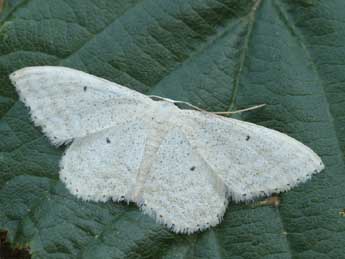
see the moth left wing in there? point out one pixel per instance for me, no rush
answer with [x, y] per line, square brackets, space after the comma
[104, 166]
[69, 103]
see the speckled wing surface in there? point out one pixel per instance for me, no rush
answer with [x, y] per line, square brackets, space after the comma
[67, 103]
[180, 166]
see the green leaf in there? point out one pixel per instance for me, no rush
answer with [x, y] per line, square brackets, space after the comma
[216, 54]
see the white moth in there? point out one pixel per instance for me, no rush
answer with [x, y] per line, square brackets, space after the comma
[179, 166]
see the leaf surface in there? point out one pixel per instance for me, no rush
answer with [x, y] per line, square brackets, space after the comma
[218, 55]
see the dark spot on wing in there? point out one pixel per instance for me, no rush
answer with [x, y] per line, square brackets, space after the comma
[248, 137]
[192, 168]
[85, 88]
[108, 140]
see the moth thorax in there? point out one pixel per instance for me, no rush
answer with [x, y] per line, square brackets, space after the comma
[164, 112]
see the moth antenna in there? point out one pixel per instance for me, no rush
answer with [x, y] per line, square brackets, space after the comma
[162, 98]
[174, 101]
[202, 110]
[242, 110]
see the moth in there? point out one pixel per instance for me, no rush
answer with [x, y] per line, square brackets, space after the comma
[181, 167]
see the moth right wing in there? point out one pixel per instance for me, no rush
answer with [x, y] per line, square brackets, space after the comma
[203, 159]
[68, 103]
[251, 160]
[180, 189]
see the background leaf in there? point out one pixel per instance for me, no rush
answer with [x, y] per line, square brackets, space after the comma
[217, 54]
